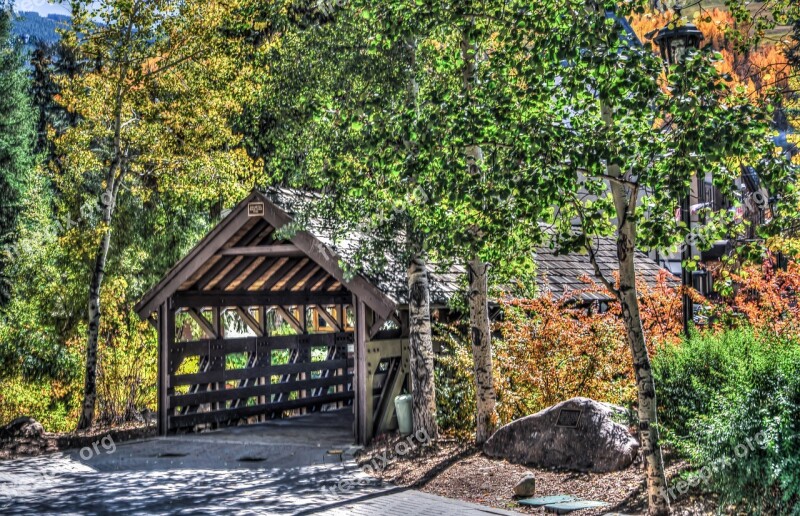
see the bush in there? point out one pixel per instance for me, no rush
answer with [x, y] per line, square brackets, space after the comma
[689, 377]
[731, 402]
[48, 401]
[550, 352]
[455, 384]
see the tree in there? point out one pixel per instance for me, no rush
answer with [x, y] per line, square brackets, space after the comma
[321, 75]
[49, 61]
[629, 140]
[16, 142]
[151, 116]
[407, 150]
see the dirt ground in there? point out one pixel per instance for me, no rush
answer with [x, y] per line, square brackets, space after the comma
[458, 470]
[50, 443]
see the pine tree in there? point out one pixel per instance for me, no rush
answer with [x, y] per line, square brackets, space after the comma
[16, 141]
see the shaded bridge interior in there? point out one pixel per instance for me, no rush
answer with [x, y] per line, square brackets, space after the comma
[259, 331]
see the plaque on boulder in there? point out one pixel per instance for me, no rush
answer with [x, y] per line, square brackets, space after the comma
[575, 435]
[569, 418]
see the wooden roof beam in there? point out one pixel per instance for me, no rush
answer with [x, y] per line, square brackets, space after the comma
[286, 250]
[201, 321]
[208, 298]
[257, 327]
[258, 273]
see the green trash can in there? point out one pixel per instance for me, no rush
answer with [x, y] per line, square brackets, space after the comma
[402, 407]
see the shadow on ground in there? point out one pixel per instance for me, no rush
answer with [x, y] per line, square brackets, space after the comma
[278, 468]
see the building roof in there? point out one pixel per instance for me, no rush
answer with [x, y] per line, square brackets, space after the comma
[245, 256]
[564, 274]
[444, 281]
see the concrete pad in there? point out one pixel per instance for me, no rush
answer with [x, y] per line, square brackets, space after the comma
[410, 503]
[280, 467]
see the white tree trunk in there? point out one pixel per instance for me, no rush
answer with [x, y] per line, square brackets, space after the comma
[481, 336]
[423, 389]
[646, 388]
[625, 199]
[480, 330]
[93, 333]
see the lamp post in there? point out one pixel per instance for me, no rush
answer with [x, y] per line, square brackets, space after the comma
[674, 41]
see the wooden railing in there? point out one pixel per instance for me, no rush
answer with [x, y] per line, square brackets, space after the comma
[265, 386]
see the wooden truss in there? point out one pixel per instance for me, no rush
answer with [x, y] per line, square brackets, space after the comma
[254, 326]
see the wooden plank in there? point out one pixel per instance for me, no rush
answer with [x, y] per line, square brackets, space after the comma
[258, 272]
[220, 237]
[328, 260]
[287, 250]
[404, 323]
[241, 374]
[233, 274]
[277, 283]
[207, 328]
[317, 278]
[222, 416]
[224, 262]
[250, 321]
[211, 274]
[362, 399]
[257, 390]
[286, 271]
[391, 389]
[328, 284]
[211, 298]
[323, 312]
[290, 318]
[163, 368]
[253, 344]
[254, 236]
[299, 279]
[258, 359]
[379, 350]
[312, 384]
[376, 326]
[202, 367]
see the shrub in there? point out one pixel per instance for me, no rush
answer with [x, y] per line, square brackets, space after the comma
[127, 366]
[690, 376]
[548, 350]
[48, 401]
[731, 402]
[761, 296]
[455, 384]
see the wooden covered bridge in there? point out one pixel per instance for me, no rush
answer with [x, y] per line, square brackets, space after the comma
[252, 325]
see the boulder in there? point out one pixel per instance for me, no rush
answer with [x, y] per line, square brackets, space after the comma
[526, 487]
[24, 427]
[575, 435]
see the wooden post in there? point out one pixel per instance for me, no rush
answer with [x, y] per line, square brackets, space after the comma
[362, 389]
[163, 366]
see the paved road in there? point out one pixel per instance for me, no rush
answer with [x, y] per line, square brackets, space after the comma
[273, 468]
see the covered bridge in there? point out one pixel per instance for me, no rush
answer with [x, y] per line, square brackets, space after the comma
[254, 326]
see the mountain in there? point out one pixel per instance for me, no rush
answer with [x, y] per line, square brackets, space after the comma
[31, 27]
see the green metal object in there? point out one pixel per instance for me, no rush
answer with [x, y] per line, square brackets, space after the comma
[402, 406]
[576, 505]
[547, 500]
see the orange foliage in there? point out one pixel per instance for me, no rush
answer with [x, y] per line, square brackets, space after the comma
[757, 71]
[553, 350]
[764, 297]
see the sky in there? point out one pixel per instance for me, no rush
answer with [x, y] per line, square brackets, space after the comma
[42, 7]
